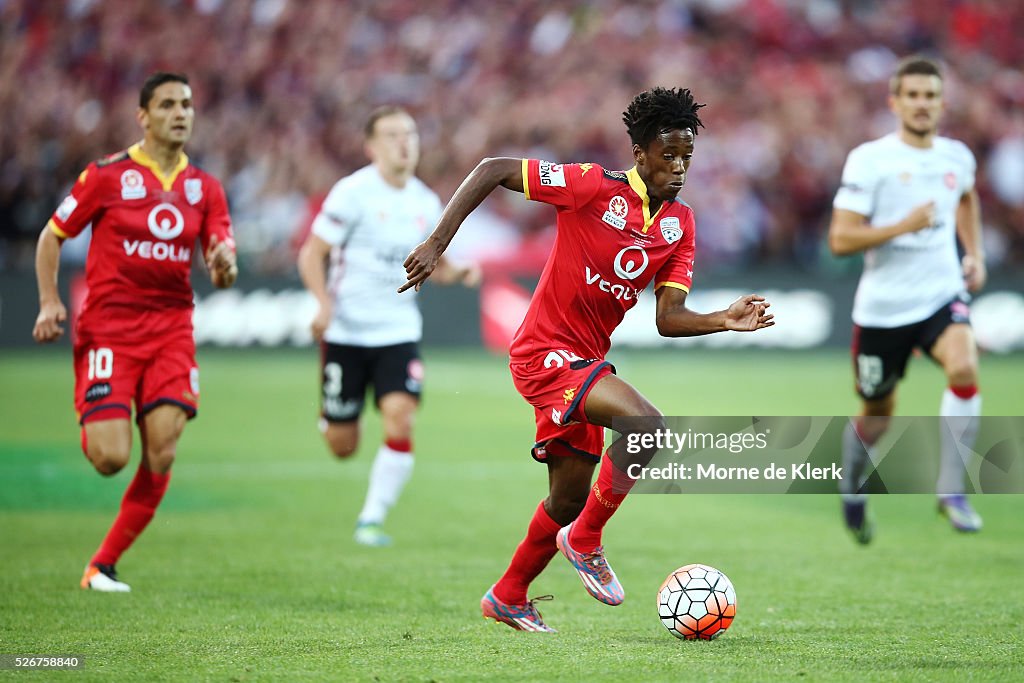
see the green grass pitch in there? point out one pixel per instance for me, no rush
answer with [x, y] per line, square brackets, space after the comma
[249, 571]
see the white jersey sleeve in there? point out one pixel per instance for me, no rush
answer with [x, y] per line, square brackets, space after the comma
[968, 164]
[860, 182]
[340, 212]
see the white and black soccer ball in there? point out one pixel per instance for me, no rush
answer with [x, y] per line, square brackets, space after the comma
[697, 602]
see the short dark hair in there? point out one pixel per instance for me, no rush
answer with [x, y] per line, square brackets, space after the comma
[155, 81]
[379, 113]
[658, 110]
[914, 65]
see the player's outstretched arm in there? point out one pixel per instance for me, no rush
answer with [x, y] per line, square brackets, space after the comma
[51, 309]
[850, 232]
[488, 174]
[674, 319]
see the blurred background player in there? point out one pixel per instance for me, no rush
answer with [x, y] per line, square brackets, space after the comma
[369, 335]
[133, 339]
[617, 233]
[905, 199]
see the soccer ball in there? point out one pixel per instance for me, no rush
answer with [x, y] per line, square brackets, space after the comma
[697, 602]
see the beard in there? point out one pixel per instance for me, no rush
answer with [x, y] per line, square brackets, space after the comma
[921, 129]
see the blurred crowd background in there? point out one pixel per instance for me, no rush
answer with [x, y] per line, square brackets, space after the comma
[283, 88]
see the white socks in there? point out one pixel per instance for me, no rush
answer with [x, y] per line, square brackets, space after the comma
[391, 470]
[856, 458]
[958, 429]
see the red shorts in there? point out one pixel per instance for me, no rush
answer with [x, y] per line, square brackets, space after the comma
[556, 384]
[146, 356]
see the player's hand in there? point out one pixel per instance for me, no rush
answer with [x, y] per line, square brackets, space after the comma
[920, 217]
[48, 322]
[321, 321]
[420, 264]
[221, 262]
[975, 272]
[748, 313]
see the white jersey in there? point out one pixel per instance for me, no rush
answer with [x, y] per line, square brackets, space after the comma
[373, 226]
[908, 278]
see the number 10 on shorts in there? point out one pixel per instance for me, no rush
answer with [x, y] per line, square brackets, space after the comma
[101, 363]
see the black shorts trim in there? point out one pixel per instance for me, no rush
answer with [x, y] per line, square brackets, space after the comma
[120, 406]
[190, 411]
[564, 444]
[567, 417]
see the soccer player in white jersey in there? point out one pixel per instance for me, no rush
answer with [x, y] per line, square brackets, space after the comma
[369, 334]
[905, 199]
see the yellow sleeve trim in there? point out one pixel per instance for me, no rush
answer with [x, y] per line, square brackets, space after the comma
[526, 177]
[57, 231]
[676, 285]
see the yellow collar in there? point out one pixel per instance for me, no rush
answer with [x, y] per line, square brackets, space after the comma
[637, 183]
[140, 157]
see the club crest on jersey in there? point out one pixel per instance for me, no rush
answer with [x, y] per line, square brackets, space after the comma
[193, 190]
[132, 186]
[551, 175]
[616, 214]
[950, 180]
[670, 229]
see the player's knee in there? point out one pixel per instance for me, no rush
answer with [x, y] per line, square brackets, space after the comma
[161, 457]
[566, 507]
[108, 459]
[636, 452]
[870, 428]
[962, 372]
[342, 445]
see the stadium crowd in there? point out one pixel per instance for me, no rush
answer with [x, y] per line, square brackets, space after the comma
[284, 86]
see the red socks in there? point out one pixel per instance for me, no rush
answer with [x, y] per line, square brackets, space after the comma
[399, 445]
[968, 391]
[137, 508]
[606, 495]
[530, 558]
[537, 549]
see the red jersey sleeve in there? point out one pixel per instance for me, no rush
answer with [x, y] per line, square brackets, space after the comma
[80, 207]
[677, 271]
[217, 221]
[567, 186]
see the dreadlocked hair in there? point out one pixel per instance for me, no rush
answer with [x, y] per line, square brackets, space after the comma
[658, 110]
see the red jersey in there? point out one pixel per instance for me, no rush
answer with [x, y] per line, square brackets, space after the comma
[144, 228]
[607, 250]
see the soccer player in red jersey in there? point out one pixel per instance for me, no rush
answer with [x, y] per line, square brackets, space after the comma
[617, 233]
[133, 340]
